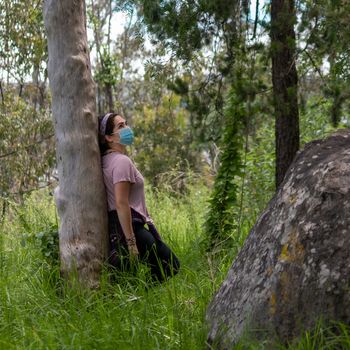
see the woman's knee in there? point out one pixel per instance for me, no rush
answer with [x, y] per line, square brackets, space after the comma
[169, 261]
[156, 253]
[144, 240]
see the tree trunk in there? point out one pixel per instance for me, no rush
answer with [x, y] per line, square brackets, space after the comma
[285, 84]
[109, 96]
[80, 197]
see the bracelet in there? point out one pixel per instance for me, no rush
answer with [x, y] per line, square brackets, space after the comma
[130, 241]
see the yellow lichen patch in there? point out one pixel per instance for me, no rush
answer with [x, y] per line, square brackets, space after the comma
[273, 303]
[284, 294]
[293, 251]
[292, 198]
[284, 252]
[286, 287]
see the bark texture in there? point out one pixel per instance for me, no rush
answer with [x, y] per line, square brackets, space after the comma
[294, 266]
[80, 197]
[285, 84]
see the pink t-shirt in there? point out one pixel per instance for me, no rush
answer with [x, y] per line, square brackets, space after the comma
[118, 167]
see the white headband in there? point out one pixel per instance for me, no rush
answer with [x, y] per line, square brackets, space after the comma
[104, 124]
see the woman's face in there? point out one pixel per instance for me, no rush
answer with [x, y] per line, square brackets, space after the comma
[119, 123]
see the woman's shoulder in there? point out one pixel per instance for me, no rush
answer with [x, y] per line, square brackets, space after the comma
[114, 158]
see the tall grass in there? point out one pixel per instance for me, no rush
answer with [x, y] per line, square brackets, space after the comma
[37, 311]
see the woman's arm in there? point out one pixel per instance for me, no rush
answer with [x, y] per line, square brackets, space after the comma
[121, 195]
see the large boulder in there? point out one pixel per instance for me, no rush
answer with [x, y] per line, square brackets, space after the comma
[294, 267]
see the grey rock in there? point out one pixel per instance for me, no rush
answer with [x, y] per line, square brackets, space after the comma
[294, 267]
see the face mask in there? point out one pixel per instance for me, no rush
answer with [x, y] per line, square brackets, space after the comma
[126, 136]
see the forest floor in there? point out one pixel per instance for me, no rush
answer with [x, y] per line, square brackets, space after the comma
[37, 311]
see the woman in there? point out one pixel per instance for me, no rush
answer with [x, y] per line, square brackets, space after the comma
[127, 212]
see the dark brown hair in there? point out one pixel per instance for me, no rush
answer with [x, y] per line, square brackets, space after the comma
[104, 146]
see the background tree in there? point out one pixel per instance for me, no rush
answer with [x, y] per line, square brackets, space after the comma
[23, 44]
[80, 197]
[26, 148]
[100, 16]
[285, 84]
[26, 142]
[324, 31]
[162, 144]
[219, 104]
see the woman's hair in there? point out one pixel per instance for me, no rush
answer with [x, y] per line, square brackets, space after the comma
[104, 146]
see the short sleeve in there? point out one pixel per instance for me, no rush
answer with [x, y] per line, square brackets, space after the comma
[124, 170]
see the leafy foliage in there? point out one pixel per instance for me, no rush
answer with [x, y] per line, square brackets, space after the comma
[23, 41]
[201, 36]
[107, 72]
[38, 225]
[26, 133]
[162, 135]
[26, 147]
[325, 27]
[47, 242]
[187, 26]
[220, 221]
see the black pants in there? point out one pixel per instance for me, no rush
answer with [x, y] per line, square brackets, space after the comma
[152, 251]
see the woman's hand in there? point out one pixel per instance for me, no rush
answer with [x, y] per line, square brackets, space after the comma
[133, 251]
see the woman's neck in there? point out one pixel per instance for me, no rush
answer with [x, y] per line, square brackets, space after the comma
[117, 147]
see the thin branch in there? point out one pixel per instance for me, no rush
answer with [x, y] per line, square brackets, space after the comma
[2, 94]
[49, 183]
[3, 211]
[109, 26]
[318, 70]
[256, 18]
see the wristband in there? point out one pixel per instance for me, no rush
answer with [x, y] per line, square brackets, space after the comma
[130, 241]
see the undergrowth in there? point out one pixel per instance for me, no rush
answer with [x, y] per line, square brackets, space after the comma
[38, 311]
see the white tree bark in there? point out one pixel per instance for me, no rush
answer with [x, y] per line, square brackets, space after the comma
[80, 197]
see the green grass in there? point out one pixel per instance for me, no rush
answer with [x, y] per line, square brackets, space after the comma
[37, 311]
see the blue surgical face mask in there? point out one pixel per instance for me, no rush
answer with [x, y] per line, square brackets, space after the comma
[126, 136]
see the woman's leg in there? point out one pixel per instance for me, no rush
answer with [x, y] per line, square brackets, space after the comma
[162, 261]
